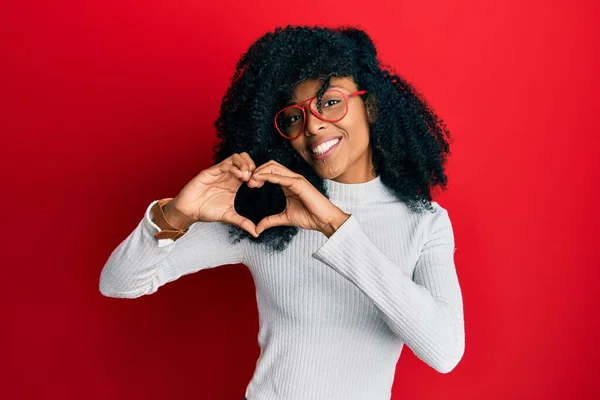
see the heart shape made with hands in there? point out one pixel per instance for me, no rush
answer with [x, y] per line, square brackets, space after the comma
[306, 207]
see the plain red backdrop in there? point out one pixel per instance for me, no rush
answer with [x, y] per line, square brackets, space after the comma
[108, 105]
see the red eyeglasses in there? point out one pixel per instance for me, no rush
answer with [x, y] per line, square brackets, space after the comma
[333, 107]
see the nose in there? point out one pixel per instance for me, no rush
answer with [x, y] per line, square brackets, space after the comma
[313, 124]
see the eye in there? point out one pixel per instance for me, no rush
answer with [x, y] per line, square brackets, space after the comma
[294, 118]
[330, 103]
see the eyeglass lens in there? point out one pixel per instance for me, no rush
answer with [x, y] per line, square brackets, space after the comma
[331, 108]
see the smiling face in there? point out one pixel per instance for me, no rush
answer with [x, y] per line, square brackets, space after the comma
[347, 157]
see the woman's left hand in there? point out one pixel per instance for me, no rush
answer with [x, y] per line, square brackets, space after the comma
[306, 207]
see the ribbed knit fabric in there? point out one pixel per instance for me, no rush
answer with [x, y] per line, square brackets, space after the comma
[334, 313]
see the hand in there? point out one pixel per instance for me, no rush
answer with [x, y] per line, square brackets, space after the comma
[306, 207]
[210, 195]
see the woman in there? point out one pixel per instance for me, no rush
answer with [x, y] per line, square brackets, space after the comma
[322, 187]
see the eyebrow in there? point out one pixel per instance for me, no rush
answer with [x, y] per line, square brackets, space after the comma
[291, 103]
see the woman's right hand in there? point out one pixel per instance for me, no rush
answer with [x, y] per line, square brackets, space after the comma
[209, 196]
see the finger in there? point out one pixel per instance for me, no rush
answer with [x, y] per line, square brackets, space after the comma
[243, 165]
[249, 161]
[225, 168]
[291, 182]
[271, 221]
[237, 172]
[272, 167]
[254, 183]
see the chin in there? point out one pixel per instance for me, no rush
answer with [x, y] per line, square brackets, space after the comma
[328, 172]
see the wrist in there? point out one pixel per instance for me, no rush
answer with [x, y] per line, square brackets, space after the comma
[176, 218]
[335, 223]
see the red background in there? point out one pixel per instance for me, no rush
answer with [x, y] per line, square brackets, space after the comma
[108, 105]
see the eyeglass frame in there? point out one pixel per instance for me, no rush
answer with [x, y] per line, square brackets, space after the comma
[316, 114]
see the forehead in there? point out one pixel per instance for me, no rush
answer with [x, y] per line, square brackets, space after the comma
[309, 87]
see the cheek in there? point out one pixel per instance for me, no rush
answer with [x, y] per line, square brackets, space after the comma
[298, 146]
[358, 132]
[362, 129]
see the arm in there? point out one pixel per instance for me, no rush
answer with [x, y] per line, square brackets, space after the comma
[141, 264]
[427, 313]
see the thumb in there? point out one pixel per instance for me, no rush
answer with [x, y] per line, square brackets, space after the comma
[271, 221]
[243, 222]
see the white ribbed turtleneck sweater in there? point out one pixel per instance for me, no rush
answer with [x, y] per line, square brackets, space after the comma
[334, 313]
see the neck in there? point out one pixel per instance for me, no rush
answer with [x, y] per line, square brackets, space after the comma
[371, 191]
[345, 178]
[360, 171]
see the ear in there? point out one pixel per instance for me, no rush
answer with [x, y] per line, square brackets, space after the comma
[371, 108]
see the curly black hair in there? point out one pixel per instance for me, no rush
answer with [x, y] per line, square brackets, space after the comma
[409, 142]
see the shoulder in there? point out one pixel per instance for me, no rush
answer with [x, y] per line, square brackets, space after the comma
[438, 216]
[438, 209]
[430, 222]
[437, 224]
[425, 215]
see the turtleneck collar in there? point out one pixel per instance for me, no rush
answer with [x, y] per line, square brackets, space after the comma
[372, 191]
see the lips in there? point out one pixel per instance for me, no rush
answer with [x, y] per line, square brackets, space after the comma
[318, 157]
[321, 141]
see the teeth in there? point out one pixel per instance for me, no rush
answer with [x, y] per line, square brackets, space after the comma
[323, 147]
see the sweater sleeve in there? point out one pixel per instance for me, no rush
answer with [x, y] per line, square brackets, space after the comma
[140, 264]
[427, 312]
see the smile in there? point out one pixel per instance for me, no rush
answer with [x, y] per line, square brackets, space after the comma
[324, 150]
